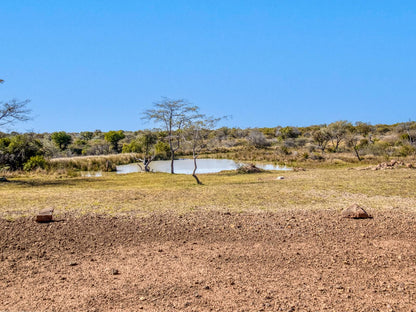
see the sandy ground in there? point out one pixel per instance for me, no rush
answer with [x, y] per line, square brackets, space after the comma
[210, 261]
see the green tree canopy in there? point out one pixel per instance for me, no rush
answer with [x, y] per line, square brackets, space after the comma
[113, 137]
[61, 139]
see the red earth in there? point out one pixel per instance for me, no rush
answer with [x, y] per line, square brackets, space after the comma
[210, 261]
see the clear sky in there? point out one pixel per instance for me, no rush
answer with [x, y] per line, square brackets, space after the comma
[98, 64]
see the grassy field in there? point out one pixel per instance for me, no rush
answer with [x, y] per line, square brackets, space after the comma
[141, 193]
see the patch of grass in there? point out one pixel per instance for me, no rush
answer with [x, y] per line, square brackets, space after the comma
[143, 193]
[92, 163]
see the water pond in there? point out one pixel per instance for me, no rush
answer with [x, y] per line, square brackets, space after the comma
[186, 166]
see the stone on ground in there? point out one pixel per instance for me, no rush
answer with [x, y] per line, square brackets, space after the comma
[355, 212]
[45, 215]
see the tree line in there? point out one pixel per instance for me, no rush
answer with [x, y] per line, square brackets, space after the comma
[184, 131]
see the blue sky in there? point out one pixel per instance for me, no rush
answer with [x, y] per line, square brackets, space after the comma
[98, 64]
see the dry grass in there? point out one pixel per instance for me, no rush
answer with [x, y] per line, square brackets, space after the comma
[141, 193]
[92, 163]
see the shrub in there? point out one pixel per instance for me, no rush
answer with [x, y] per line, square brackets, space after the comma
[258, 139]
[406, 150]
[17, 150]
[132, 147]
[380, 149]
[288, 133]
[162, 150]
[35, 162]
[284, 150]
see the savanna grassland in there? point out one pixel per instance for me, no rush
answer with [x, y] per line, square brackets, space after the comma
[141, 193]
[240, 242]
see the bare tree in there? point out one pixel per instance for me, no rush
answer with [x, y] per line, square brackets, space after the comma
[172, 114]
[13, 110]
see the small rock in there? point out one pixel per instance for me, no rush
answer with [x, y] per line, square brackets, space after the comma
[45, 215]
[280, 178]
[355, 212]
[115, 272]
[73, 263]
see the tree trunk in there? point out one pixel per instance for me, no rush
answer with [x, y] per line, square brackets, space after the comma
[146, 165]
[356, 153]
[146, 162]
[171, 162]
[337, 145]
[193, 173]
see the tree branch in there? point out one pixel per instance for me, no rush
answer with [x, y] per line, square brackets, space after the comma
[12, 111]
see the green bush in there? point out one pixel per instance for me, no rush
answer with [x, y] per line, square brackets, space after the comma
[162, 150]
[17, 150]
[133, 147]
[35, 162]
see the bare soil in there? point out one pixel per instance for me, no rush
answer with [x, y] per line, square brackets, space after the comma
[210, 261]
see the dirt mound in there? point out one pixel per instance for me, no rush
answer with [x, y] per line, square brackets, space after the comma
[210, 261]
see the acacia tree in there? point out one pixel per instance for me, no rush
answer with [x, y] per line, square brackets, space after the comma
[10, 112]
[61, 139]
[321, 138]
[338, 131]
[354, 142]
[113, 137]
[173, 115]
[13, 110]
[148, 141]
[197, 132]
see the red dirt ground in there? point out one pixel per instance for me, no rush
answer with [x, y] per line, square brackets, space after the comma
[210, 261]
